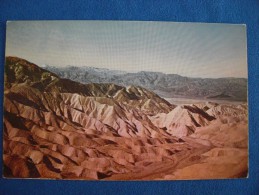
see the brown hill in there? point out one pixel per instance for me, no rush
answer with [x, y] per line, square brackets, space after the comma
[183, 120]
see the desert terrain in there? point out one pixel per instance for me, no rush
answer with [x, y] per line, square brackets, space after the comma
[58, 128]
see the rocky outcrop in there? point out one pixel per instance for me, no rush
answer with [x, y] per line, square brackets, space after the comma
[183, 120]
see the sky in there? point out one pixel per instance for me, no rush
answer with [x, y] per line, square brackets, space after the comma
[188, 49]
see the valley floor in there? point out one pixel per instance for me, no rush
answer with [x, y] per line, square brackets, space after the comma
[182, 101]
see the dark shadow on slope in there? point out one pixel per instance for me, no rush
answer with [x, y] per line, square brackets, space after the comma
[16, 121]
[23, 100]
[197, 110]
[49, 165]
[32, 168]
[102, 175]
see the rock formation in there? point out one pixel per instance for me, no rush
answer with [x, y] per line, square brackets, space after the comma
[61, 129]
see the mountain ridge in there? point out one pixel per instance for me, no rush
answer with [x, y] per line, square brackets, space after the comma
[123, 71]
[165, 85]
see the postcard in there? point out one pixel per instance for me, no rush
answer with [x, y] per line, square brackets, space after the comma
[125, 100]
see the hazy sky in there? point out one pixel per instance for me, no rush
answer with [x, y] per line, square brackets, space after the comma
[188, 49]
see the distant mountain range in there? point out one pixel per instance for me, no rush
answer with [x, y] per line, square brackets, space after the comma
[165, 85]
